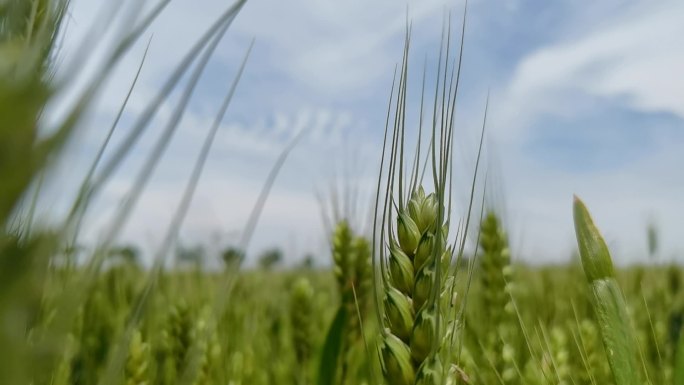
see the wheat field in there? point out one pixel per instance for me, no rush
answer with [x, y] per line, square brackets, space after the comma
[415, 296]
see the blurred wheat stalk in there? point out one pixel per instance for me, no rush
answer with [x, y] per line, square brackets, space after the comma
[28, 35]
[30, 32]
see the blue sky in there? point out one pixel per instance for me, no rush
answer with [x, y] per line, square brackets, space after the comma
[586, 98]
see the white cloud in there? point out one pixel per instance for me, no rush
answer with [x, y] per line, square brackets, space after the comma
[636, 57]
[326, 67]
[333, 47]
[240, 160]
[633, 59]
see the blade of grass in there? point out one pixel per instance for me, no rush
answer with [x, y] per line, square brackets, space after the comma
[163, 141]
[74, 293]
[98, 157]
[116, 364]
[332, 349]
[678, 375]
[146, 116]
[63, 130]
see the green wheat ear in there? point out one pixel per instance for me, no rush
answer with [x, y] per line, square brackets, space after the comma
[352, 269]
[596, 369]
[495, 283]
[607, 299]
[559, 355]
[207, 347]
[63, 375]
[177, 341]
[420, 323]
[351, 257]
[28, 31]
[410, 307]
[137, 365]
[495, 260]
[301, 317]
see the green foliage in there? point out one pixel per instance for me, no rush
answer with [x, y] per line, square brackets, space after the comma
[352, 268]
[332, 349]
[194, 256]
[139, 360]
[270, 259]
[277, 318]
[301, 316]
[127, 254]
[232, 257]
[501, 348]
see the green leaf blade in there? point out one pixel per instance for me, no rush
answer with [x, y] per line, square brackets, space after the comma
[332, 349]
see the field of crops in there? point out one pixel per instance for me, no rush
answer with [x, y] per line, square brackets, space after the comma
[420, 298]
[522, 325]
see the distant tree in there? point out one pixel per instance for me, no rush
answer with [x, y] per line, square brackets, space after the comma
[308, 262]
[270, 258]
[128, 254]
[232, 256]
[190, 255]
[69, 254]
[652, 237]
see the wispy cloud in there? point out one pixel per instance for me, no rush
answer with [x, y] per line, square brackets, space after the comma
[583, 100]
[597, 112]
[633, 57]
